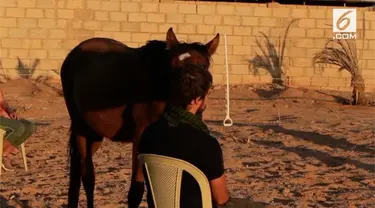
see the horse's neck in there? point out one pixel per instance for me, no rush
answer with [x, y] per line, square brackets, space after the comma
[154, 47]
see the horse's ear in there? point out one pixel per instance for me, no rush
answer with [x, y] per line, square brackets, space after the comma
[213, 44]
[171, 38]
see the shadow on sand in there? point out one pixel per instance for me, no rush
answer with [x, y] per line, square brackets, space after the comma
[20, 203]
[268, 94]
[338, 99]
[329, 160]
[4, 203]
[316, 138]
[319, 139]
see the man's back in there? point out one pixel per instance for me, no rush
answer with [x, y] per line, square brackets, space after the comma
[189, 144]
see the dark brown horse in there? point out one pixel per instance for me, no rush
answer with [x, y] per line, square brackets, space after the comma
[114, 91]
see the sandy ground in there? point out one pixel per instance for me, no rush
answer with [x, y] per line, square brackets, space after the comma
[300, 151]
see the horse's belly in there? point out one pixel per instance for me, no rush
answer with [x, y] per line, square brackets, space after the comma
[106, 122]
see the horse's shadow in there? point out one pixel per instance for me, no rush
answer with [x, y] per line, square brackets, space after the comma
[319, 139]
[314, 137]
[329, 160]
[4, 203]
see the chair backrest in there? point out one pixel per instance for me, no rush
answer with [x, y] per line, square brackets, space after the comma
[2, 133]
[165, 176]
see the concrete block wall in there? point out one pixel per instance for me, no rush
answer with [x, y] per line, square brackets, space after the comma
[49, 29]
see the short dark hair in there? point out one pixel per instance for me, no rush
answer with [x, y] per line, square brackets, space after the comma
[187, 84]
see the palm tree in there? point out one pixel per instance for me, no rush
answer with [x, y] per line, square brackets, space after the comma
[271, 58]
[345, 57]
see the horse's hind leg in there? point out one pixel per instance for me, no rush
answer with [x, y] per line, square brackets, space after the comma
[81, 166]
[75, 172]
[87, 148]
[140, 114]
[143, 114]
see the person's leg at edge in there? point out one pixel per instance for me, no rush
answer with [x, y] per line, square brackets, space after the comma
[18, 131]
[8, 148]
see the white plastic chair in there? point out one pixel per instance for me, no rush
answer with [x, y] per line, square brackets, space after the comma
[2, 133]
[165, 176]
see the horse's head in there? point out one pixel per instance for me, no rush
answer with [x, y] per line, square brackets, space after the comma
[195, 55]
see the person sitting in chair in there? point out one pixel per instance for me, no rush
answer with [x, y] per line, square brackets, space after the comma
[17, 131]
[181, 133]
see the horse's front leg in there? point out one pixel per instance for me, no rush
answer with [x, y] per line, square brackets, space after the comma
[87, 149]
[144, 114]
[140, 114]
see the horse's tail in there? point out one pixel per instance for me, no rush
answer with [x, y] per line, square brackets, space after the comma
[67, 82]
[68, 92]
[74, 157]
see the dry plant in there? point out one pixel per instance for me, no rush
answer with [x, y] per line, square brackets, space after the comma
[343, 53]
[271, 58]
[27, 71]
[56, 71]
[4, 77]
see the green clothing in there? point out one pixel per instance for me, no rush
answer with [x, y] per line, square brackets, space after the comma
[175, 115]
[17, 131]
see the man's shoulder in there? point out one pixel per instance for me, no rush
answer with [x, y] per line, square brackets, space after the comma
[152, 131]
[157, 125]
[181, 130]
[197, 134]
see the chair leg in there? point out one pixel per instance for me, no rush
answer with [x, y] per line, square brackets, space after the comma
[24, 156]
[1, 151]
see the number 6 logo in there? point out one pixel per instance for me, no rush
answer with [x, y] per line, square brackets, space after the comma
[344, 20]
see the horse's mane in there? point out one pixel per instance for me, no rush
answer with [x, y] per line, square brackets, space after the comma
[154, 46]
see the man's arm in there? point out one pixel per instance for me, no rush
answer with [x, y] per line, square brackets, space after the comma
[222, 197]
[5, 109]
[4, 106]
[219, 190]
[3, 103]
[218, 184]
[213, 168]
